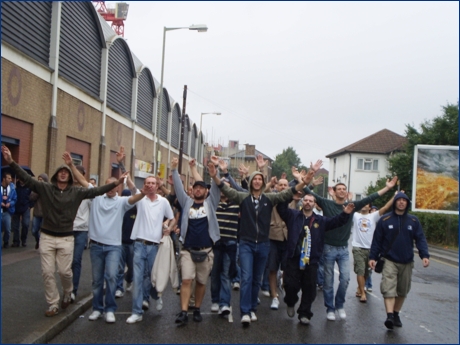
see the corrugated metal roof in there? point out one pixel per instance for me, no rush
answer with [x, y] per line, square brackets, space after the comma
[382, 142]
[107, 30]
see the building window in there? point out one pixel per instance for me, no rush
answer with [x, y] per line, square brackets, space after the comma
[368, 164]
[76, 159]
[358, 197]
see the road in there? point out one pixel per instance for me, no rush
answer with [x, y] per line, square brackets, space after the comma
[430, 316]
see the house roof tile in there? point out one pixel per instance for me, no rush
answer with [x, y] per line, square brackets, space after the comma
[382, 142]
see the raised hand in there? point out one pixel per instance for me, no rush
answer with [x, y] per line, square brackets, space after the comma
[170, 180]
[392, 183]
[243, 170]
[261, 163]
[7, 154]
[283, 176]
[223, 165]
[317, 165]
[295, 173]
[317, 181]
[159, 182]
[212, 170]
[215, 160]
[349, 208]
[273, 181]
[331, 192]
[174, 163]
[122, 178]
[192, 163]
[67, 158]
[121, 154]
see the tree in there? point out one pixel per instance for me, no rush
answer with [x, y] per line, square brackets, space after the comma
[284, 161]
[442, 130]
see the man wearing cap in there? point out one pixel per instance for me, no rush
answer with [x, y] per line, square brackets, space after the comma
[199, 231]
[395, 235]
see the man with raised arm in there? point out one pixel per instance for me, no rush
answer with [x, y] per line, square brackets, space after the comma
[61, 200]
[199, 231]
[256, 209]
[336, 245]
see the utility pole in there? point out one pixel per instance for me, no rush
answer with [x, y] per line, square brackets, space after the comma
[182, 125]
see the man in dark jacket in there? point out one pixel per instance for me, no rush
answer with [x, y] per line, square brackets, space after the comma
[21, 217]
[61, 200]
[395, 235]
[305, 242]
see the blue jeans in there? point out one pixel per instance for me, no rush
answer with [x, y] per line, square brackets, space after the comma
[369, 280]
[127, 253]
[333, 254]
[6, 226]
[253, 259]
[20, 220]
[104, 262]
[265, 284]
[36, 225]
[223, 268]
[237, 274]
[144, 257]
[320, 272]
[80, 239]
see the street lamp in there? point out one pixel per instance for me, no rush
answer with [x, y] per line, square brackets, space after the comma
[201, 119]
[197, 27]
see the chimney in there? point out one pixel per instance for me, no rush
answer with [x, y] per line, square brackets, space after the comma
[250, 150]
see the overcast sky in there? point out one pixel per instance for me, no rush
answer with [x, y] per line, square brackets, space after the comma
[316, 76]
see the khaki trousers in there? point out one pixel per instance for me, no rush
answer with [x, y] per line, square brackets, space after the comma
[56, 251]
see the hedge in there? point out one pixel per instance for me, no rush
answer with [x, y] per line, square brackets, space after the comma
[439, 228]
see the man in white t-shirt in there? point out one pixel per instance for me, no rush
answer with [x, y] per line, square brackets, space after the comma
[363, 229]
[147, 233]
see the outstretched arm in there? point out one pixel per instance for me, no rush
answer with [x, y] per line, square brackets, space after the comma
[79, 177]
[137, 197]
[194, 171]
[389, 185]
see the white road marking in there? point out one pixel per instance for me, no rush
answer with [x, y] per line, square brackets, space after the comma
[426, 329]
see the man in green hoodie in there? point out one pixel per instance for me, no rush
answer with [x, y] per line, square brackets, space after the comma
[61, 199]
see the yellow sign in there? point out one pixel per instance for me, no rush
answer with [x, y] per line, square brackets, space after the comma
[162, 172]
[142, 166]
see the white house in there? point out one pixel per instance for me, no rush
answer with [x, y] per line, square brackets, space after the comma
[363, 162]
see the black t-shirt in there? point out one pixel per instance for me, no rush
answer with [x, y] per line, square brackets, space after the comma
[198, 227]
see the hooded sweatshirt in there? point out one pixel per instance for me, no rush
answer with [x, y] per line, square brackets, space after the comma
[406, 228]
[38, 208]
[59, 206]
[255, 224]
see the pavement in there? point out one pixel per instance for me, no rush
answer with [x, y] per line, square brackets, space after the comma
[24, 304]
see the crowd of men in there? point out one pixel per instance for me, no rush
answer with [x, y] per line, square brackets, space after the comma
[244, 236]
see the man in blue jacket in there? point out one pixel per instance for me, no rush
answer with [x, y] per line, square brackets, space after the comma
[9, 198]
[395, 235]
[305, 241]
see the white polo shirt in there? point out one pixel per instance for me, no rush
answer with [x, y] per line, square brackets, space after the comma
[106, 219]
[363, 229]
[149, 219]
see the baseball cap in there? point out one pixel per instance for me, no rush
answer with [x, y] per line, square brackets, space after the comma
[200, 183]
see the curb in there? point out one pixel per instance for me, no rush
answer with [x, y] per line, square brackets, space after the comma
[442, 258]
[64, 319]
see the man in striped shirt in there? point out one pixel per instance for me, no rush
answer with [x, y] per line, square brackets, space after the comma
[224, 254]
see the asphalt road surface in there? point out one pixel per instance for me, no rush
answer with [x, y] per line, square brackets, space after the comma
[430, 315]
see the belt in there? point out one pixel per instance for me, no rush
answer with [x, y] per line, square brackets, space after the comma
[147, 243]
[98, 243]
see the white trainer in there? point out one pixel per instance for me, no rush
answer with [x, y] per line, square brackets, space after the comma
[331, 316]
[304, 320]
[72, 297]
[266, 293]
[119, 294]
[246, 320]
[253, 316]
[224, 311]
[215, 307]
[145, 305]
[134, 318]
[95, 315]
[109, 317]
[342, 313]
[275, 304]
[129, 286]
[159, 304]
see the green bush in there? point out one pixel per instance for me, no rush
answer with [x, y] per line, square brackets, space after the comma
[439, 228]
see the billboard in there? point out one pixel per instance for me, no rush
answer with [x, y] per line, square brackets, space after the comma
[435, 179]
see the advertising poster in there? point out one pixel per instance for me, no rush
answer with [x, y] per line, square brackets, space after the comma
[435, 180]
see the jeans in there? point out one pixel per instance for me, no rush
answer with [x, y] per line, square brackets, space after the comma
[253, 259]
[265, 284]
[333, 254]
[6, 226]
[144, 257]
[368, 284]
[177, 249]
[127, 253]
[80, 237]
[22, 220]
[36, 225]
[223, 268]
[104, 262]
[237, 273]
[320, 274]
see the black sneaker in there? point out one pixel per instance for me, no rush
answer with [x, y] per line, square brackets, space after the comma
[397, 321]
[182, 318]
[390, 321]
[197, 315]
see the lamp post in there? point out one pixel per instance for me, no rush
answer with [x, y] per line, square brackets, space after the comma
[197, 27]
